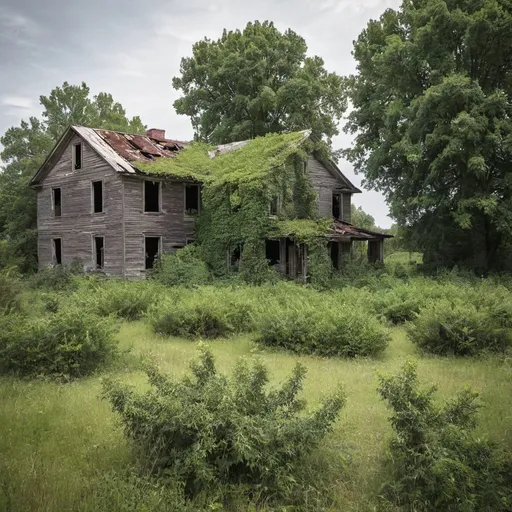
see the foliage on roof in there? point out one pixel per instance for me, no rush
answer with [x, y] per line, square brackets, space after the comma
[303, 230]
[250, 163]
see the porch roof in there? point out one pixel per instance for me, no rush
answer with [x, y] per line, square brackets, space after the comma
[342, 229]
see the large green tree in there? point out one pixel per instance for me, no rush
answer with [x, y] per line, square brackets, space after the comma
[432, 117]
[26, 146]
[252, 82]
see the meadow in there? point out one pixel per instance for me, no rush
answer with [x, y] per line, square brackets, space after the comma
[64, 449]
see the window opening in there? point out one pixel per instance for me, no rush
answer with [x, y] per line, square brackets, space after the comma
[99, 251]
[97, 191]
[57, 251]
[192, 198]
[151, 196]
[152, 248]
[336, 206]
[273, 252]
[77, 156]
[274, 205]
[57, 202]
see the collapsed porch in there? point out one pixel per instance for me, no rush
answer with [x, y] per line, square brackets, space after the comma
[290, 257]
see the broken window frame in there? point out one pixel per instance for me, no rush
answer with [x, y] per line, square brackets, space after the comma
[101, 266]
[191, 211]
[77, 163]
[144, 206]
[57, 209]
[158, 253]
[56, 254]
[93, 197]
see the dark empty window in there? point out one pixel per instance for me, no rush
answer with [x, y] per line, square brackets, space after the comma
[57, 251]
[336, 206]
[273, 251]
[57, 205]
[152, 248]
[77, 156]
[192, 198]
[274, 205]
[99, 251]
[97, 196]
[151, 196]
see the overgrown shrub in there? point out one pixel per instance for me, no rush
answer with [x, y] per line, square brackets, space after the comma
[70, 343]
[10, 292]
[59, 278]
[210, 313]
[456, 327]
[128, 300]
[209, 430]
[323, 329]
[437, 462]
[184, 267]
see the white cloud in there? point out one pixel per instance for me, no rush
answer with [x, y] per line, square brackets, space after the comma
[21, 102]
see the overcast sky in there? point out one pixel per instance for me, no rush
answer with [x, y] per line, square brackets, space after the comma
[132, 49]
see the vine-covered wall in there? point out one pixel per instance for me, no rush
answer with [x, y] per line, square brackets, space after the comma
[238, 187]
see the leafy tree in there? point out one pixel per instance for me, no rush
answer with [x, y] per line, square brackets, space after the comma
[432, 116]
[361, 219]
[25, 148]
[255, 81]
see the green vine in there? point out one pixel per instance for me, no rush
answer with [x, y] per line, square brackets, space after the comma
[238, 187]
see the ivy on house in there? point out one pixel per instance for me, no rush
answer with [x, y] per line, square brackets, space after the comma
[240, 182]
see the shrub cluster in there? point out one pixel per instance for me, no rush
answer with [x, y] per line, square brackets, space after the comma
[183, 268]
[323, 329]
[59, 278]
[438, 464]
[10, 293]
[209, 430]
[70, 343]
[457, 327]
[212, 313]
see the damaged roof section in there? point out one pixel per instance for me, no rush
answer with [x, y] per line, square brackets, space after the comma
[341, 228]
[139, 148]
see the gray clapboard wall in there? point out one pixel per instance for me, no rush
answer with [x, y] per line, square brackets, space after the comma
[78, 225]
[325, 184]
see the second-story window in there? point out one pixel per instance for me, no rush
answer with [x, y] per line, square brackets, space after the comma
[97, 196]
[56, 202]
[192, 198]
[77, 156]
[274, 206]
[336, 206]
[151, 196]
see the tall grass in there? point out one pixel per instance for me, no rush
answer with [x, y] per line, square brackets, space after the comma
[59, 441]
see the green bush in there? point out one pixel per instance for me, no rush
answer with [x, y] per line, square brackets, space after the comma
[210, 430]
[456, 327]
[184, 267]
[59, 278]
[128, 300]
[323, 329]
[10, 293]
[207, 313]
[437, 462]
[70, 343]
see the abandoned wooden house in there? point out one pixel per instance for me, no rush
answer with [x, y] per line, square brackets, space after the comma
[103, 200]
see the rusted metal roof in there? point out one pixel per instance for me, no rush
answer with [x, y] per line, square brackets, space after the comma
[344, 229]
[140, 148]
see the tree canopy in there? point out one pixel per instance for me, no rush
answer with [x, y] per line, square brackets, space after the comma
[26, 146]
[432, 118]
[252, 82]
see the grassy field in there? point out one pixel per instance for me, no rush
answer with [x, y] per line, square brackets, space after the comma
[57, 440]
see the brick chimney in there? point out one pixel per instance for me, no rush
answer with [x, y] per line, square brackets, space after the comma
[156, 134]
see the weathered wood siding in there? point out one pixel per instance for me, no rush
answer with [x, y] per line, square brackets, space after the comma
[78, 225]
[347, 212]
[325, 184]
[171, 224]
